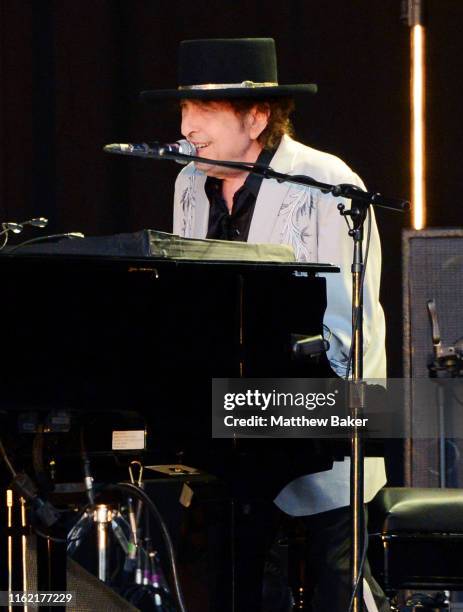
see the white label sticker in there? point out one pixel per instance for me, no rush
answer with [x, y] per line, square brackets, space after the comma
[131, 439]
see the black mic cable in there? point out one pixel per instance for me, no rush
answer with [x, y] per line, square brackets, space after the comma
[69, 235]
[88, 478]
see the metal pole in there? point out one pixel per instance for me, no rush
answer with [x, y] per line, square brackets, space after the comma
[356, 404]
[103, 517]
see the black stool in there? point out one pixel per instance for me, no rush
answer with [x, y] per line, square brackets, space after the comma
[416, 539]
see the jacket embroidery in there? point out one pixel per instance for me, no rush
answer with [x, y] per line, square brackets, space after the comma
[188, 204]
[299, 215]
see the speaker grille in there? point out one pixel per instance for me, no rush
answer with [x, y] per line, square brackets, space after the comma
[432, 269]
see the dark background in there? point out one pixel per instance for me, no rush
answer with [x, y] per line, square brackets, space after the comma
[70, 73]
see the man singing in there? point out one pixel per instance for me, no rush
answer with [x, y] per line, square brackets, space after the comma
[233, 109]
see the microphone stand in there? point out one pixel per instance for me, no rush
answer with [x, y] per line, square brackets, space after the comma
[356, 404]
[361, 201]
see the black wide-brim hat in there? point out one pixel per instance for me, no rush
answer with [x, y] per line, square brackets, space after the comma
[221, 68]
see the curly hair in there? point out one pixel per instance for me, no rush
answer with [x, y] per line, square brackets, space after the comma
[279, 121]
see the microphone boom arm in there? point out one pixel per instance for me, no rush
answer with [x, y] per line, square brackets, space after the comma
[364, 198]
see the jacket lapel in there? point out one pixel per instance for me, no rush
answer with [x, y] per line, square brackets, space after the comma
[264, 226]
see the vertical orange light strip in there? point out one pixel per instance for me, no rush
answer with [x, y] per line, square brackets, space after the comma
[418, 127]
[24, 547]
[9, 523]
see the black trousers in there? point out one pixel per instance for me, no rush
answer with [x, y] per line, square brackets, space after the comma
[328, 556]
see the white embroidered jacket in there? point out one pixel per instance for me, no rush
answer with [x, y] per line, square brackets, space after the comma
[310, 222]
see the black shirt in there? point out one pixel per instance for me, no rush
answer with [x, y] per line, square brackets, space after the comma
[234, 225]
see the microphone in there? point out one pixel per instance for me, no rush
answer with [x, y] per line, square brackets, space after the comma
[152, 149]
[17, 228]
